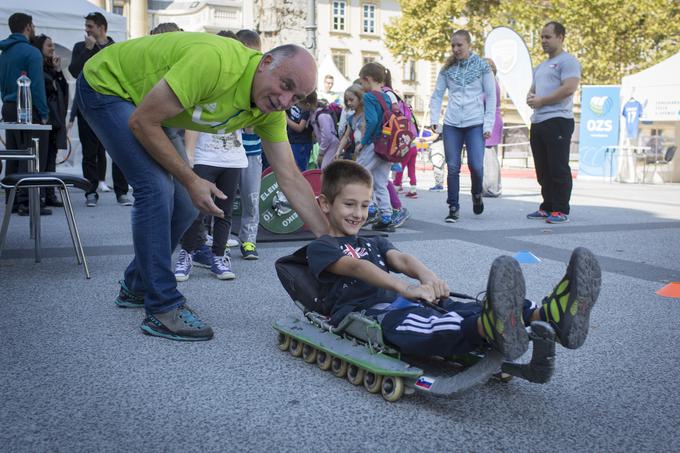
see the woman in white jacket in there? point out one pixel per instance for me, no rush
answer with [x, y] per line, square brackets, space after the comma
[468, 119]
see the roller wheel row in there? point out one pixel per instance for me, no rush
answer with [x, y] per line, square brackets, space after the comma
[391, 387]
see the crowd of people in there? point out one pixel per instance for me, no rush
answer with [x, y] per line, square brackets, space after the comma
[187, 142]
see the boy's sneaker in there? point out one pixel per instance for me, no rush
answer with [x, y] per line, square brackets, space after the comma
[400, 189]
[232, 242]
[209, 240]
[567, 308]
[400, 216]
[183, 266]
[557, 217]
[91, 200]
[372, 215]
[412, 194]
[221, 267]
[202, 257]
[538, 215]
[453, 215]
[128, 299]
[502, 320]
[182, 324]
[477, 204]
[384, 224]
[437, 188]
[249, 251]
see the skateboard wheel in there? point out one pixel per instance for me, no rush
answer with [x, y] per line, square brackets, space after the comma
[323, 360]
[338, 367]
[372, 382]
[392, 388]
[309, 354]
[355, 375]
[284, 341]
[295, 347]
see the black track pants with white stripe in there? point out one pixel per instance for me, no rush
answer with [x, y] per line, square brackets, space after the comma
[422, 331]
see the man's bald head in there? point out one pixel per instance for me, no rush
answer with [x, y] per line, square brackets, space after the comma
[285, 75]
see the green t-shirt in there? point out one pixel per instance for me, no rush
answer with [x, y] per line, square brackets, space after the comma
[211, 76]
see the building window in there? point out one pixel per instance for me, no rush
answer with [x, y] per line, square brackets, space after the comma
[369, 58]
[410, 71]
[340, 60]
[339, 16]
[368, 23]
[117, 8]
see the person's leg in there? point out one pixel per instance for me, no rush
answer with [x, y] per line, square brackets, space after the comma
[120, 184]
[90, 146]
[251, 177]
[301, 152]
[453, 146]
[540, 150]
[380, 170]
[227, 181]
[399, 175]
[159, 212]
[558, 141]
[474, 144]
[395, 202]
[101, 162]
[411, 166]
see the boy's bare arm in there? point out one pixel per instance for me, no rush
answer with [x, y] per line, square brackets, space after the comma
[373, 275]
[410, 265]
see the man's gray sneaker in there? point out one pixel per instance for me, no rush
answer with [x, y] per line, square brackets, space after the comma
[91, 200]
[181, 324]
[124, 200]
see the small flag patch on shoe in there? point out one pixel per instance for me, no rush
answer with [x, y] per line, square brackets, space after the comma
[424, 382]
[670, 290]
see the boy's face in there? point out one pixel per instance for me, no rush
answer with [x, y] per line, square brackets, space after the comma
[349, 211]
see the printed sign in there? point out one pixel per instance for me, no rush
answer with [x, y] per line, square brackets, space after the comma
[599, 130]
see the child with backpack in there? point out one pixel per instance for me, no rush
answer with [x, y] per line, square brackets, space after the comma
[325, 125]
[299, 130]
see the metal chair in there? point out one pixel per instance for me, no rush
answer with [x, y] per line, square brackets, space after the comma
[60, 181]
[665, 159]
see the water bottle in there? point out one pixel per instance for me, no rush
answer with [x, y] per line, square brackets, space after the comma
[24, 104]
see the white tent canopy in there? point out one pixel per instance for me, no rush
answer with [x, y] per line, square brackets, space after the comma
[657, 89]
[327, 67]
[62, 20]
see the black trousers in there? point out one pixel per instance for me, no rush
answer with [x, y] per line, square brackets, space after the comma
[94, 160]
[550, 141]
[23, 140]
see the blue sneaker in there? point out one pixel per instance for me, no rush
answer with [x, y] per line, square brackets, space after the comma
[221, 267]
[400, 216]
[183, 266]
[557, 217]
[372, 215]
[396, 167]
[127, 299]
[384, 224]
[538, 215]
[202, 257]
[437, 188]
[182, 324]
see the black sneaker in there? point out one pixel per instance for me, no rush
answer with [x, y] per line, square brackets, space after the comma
[181, 324]
[477, 204]
[453, 215]
[502, 319]
[384, 224]
[128, 299]
[567, 308]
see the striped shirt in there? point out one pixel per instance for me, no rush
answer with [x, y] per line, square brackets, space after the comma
[252, 144]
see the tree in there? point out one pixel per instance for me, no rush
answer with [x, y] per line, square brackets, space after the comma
[611, 38]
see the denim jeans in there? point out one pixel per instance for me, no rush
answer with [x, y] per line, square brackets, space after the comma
[162, 211]
[454, 137]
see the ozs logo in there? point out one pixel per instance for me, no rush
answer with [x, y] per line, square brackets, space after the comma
[600, 106]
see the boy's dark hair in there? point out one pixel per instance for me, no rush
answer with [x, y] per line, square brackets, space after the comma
[165, 27]
[249, 38]
[558, 28]
[341, 173]
[98, 19]
[18, 22]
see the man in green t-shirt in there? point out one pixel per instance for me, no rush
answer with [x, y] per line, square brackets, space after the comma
[197, 81]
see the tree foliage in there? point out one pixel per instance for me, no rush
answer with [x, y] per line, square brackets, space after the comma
[611, 38]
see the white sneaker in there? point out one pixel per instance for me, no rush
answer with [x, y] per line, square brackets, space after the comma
[183, 266]
[232, 242]
[102, 187]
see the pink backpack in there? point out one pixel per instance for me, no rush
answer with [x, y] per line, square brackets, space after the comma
[396, 135]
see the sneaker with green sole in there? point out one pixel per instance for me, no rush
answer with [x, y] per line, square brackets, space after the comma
[568, 307]
[128, 299]
[502, 319]
[181, 324]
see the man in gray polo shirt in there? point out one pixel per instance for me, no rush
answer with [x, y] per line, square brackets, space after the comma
[552, 124]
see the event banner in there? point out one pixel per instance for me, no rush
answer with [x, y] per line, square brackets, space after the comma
[599, 130]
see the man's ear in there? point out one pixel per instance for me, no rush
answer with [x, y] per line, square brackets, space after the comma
[324, 204]
[265, 61]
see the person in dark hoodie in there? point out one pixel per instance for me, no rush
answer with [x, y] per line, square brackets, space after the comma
[94, 155]
[18, 55]
[56, 91]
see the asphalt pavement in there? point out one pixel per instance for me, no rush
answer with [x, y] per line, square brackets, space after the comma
[78, 374]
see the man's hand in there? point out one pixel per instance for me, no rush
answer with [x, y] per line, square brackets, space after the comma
[419, 292]
[534, 101]
[487, 134]
[201, 193]
[90, 41]
[439, 286]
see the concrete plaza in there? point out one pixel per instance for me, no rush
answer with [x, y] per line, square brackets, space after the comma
[77, 374]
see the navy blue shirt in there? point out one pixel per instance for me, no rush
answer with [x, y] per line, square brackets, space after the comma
[346, 294]
[296, 114]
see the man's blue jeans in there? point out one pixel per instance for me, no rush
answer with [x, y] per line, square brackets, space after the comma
[454, 137]
[162, 211]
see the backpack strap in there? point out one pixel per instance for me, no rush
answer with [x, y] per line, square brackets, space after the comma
[381, 100]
